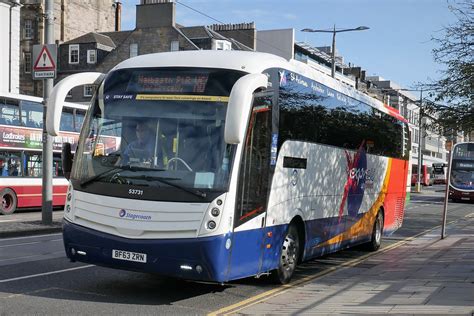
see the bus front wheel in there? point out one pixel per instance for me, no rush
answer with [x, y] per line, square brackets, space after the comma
[8, 201]
[289, 256]
[377, 230]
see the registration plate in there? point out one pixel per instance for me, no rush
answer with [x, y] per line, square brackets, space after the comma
[129, 256]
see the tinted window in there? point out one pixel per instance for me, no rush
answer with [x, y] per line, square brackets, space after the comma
[312, 112]
[78, 120]
[9, 112]
[31, 114]
[67, 121]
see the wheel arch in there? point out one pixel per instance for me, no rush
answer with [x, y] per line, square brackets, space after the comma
[381, 210]
[299, 223]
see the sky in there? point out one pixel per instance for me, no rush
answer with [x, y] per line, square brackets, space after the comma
[397, 46]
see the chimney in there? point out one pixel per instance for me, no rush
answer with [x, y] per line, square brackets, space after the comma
[118, 16]
[155, 13]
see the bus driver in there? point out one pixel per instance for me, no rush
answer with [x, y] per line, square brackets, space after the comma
[141, 150]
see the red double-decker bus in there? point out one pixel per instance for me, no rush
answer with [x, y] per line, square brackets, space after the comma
[21, 123]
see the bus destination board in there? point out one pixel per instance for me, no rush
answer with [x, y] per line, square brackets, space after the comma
[162, 82]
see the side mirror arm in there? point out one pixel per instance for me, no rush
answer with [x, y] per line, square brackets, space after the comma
[240, 103]
[56, 100]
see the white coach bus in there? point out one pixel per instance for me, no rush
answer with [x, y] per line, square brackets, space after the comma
[230, 164]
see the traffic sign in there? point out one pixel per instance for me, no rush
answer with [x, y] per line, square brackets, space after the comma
[44, 61]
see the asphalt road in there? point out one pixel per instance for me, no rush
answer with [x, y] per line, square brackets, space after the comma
[36, 278]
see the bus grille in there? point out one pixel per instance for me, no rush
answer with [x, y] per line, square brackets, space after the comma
[143, 219]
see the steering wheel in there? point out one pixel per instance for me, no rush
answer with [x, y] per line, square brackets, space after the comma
[117, 178]
[109, 160]
[180, 160]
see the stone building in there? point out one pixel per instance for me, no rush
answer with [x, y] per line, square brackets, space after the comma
[72, 18]
[156, 31]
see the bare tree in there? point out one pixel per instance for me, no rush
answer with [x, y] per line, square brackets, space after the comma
[453, 97]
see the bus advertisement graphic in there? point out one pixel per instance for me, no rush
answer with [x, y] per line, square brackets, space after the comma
[14, 137]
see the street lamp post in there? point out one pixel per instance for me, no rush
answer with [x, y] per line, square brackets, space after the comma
[333, 48]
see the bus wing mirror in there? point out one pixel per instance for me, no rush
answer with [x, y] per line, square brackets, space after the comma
[240, 103]
[66, 159]
[57, 97]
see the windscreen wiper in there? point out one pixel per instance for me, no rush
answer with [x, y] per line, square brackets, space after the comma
[167, 181]
[117, 169]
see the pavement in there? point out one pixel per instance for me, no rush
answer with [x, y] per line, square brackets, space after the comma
[16, 225]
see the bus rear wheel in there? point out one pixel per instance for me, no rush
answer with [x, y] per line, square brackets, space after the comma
[377, 230]
[289, 256]
[8, 201]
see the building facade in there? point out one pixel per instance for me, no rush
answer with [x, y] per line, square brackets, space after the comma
[10, 52]
[72, 18]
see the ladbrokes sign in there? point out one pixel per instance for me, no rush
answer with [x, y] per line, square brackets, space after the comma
[28, 138]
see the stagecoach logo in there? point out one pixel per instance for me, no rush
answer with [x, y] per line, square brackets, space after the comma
[354, 188]
[127, 214]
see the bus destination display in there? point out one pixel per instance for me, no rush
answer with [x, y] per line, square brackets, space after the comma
[159, 82]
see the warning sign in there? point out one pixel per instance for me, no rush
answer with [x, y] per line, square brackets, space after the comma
[44, 61]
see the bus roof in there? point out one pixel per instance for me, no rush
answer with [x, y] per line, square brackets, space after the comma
[250, 62]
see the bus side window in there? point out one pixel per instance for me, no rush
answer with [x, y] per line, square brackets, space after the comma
[10, 113]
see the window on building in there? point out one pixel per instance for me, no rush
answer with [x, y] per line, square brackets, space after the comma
[133, 49]
[73, 54]
[223, 45]
[174, 46]
[27, 62]
[28, 29]
[69, 94]
[91, 56]
[89, 90]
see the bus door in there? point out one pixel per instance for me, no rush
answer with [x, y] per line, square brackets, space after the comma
[252, 192]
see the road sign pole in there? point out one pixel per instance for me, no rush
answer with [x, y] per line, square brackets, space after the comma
[47, 191]
[446, 195]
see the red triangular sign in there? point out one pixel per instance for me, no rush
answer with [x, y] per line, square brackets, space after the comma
[44, 61]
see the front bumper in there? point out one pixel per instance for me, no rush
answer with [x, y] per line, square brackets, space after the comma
[207, 257]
